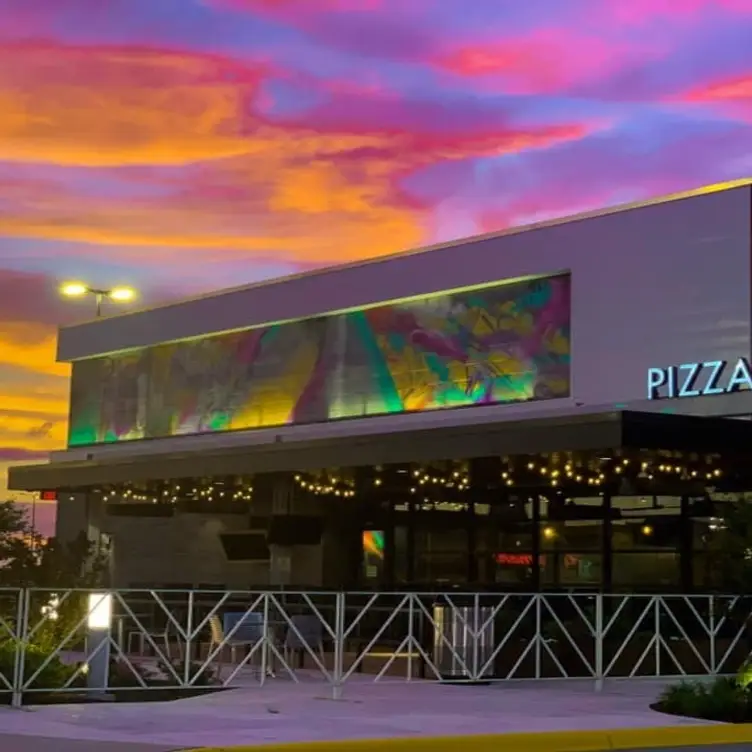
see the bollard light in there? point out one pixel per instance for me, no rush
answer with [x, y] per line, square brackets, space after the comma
[100, 611]
[98, 622]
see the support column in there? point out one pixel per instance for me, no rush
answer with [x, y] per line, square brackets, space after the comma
[607, 547]
[290, 565]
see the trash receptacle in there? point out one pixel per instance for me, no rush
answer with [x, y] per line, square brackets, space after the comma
[459, 654]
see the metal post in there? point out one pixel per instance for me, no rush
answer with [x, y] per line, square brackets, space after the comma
[657, 627]
[475, 672]
[265, 641]
[711, 626]
[98, 297]
[338, 669]
[538, 636]
[599, 637]
[189, 640]
[22, 631]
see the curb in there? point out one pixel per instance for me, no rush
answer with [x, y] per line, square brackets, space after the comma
[554, 741]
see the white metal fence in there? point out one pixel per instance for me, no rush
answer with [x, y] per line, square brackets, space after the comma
[127, 641]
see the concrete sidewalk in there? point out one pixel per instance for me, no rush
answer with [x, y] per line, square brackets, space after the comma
[20, 743]
[282, 711]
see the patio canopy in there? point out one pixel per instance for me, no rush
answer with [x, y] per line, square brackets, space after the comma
[606, 431]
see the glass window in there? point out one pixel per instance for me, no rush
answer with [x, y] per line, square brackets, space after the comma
[513, 568]
[645, 569]
[400, 553]
[705, 571]
[645, 523]
[571, 569]
[441, 556]
[572, 524]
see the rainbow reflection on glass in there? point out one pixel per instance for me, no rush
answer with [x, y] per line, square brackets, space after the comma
[373, 543]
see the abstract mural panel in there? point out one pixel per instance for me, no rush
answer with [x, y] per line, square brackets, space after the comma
[507, 342]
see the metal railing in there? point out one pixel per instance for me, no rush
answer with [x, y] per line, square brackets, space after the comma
[129, 641]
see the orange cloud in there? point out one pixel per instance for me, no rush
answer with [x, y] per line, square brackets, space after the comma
[252, 184]
[118, 106]
[30, 346]
[303, 195]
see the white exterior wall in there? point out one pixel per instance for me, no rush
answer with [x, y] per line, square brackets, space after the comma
[657, 285]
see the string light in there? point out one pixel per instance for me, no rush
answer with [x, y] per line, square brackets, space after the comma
[452, 480]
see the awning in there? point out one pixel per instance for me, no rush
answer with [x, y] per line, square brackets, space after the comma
[612, 430]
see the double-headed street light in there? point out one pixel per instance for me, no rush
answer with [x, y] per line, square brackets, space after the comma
[79, 289]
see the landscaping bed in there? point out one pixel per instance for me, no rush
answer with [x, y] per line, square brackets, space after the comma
[57, 682]
[724, 699]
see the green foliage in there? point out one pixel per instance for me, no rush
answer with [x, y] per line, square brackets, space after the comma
[731, 547]
[54, 675]
[721, 700]
[744, 677]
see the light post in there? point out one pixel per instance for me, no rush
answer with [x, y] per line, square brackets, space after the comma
[98, 623]
[79, 290]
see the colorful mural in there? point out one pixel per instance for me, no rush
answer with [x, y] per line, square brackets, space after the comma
[502, 343]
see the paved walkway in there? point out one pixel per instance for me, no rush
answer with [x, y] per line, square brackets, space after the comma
[20, 743]
[283, 711]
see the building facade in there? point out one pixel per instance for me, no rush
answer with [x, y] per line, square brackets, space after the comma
[402, 421]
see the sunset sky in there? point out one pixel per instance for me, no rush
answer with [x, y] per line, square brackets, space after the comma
[183, 145]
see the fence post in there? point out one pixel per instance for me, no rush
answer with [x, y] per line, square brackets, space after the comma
[538, 635]
[711, 627]
[189, 641]
[265, 641]
[22, 631]
[599, 642]
[338, 669]
[475, 673]
[658, 637]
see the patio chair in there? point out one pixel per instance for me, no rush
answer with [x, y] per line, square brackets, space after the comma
[249, 632]
[309, 637]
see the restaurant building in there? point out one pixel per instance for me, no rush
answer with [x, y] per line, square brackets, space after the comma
[563, 405]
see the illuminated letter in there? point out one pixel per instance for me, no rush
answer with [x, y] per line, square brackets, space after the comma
[687, 388]
[657, 378]
[715, 369]
[741, 378]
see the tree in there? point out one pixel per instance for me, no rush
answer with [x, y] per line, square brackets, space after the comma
[731, 547]
[51, 567]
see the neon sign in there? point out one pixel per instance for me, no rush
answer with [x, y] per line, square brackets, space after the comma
[699, 379]
[528, 560]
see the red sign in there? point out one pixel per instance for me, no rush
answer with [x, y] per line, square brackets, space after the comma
[570, 561]
[48, 496]
[515, 560]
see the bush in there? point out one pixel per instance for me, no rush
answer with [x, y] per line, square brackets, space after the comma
[721, 700]
[54, 675]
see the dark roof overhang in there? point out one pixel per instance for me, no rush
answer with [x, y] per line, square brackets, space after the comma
[612, 430]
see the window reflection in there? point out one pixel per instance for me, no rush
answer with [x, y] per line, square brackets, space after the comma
[441, 555]
[645, 523]
[645, 569]
[572, 525]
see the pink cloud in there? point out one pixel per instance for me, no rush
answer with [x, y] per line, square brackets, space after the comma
[731, 96]
[546, 61]
[638, 12]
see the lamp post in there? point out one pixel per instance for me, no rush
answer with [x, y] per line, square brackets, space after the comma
[98, 624]
[79, 290]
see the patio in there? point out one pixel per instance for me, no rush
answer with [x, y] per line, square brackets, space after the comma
[283, 711]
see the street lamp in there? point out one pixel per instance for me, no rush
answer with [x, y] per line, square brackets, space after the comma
[79, 289]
